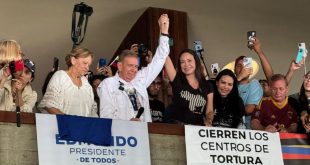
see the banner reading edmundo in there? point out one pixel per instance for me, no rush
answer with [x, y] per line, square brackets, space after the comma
[209, 145]
[130, 145]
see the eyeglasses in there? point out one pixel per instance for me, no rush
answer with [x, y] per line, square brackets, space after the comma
[306, 78]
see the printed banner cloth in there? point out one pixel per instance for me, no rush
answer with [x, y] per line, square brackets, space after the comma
[130, 145]
[209, 146]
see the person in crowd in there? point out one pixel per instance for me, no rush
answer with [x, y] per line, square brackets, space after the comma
[156, 106]
[142, 52]
[124, 94]
[68, 91]
[106, 71]
[192, 94]
[265, 86]
[276, 113]
[17, 91]
[249, 90]
[168, 96]
[303, 99]
[94, 81]
[148, 57]
[304, 102]
[228, 105]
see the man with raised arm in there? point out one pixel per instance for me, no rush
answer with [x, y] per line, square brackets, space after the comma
[123, 95]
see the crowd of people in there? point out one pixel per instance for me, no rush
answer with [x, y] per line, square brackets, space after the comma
[232, 99]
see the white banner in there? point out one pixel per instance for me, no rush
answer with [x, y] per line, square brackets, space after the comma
[210, 145]
[131, 145]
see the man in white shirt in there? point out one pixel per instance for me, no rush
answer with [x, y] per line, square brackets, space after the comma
[122, 95]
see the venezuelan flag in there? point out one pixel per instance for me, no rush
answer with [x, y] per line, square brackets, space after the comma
[295, 148]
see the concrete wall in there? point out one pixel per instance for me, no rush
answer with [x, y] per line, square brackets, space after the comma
[43, 27]
[18, 146]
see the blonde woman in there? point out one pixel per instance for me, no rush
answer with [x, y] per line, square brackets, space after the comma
[68, 91]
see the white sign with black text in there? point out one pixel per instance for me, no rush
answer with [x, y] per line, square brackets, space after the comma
[210, 145]
[130, 145]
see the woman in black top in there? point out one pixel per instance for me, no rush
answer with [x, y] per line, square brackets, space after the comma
[192, 94]
[228, 105]
[304, 106]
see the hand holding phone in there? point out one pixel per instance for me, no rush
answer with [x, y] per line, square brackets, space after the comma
[302, 52]
[251, 38]
[215, 69]
[102, 62]
[198, 48]
[247, 62]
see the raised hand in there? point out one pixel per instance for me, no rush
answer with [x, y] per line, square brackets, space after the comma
[257, 46]
[163, 22]
[18, 84]
[245, 72]
[134, 48]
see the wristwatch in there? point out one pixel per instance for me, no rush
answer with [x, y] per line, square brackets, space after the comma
[164, 34]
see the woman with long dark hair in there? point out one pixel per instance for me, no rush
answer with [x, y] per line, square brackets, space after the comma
[304, 105]
[228, 105]
[192, 94]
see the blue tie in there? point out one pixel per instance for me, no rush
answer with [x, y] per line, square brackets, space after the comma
[133, 99]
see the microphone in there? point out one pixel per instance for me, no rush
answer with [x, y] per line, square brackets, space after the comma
[121, 86]
[18, 116]
[140, 111]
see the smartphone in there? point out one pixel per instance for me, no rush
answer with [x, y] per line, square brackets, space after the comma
[251, 37]
[56, 64]
[15, 66]
[215, 69]
[102, 62]
[247, 62]
[198, 47]
[301, 52]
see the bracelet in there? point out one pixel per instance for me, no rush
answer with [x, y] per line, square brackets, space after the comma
[164, 34]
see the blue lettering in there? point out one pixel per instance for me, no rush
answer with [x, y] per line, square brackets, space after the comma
[116, 141]
[132, 141]
[58, 140]
[84, 159]
[70, 142]
[120, 141]
[104, 160]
